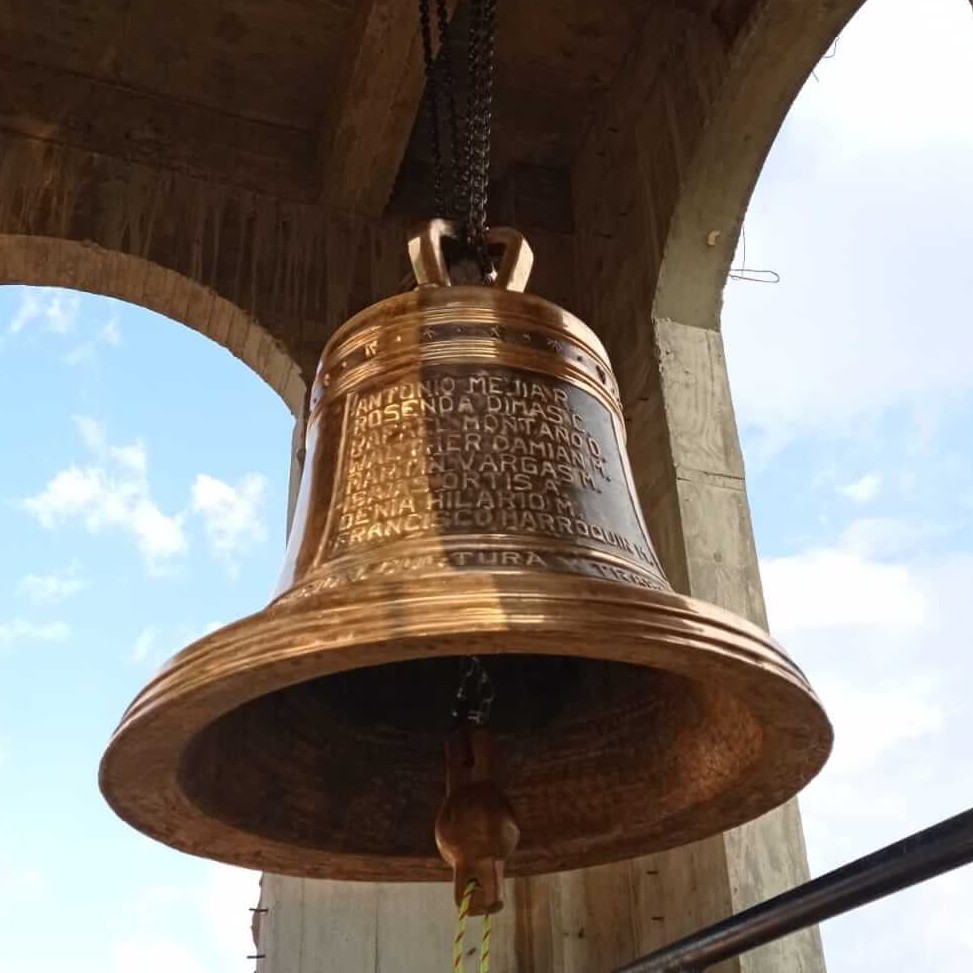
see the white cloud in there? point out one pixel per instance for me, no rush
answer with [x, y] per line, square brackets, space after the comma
[61, 313]
[864, 209]
[230, 894]
[152, 646]
[27, 311]
[877, 719]
[867, 318]
[42, 589]
[889, 537]
[144, 643]
[863, 490]
[948, 932]
[85, 352]
[827, 588]
[154, 955]
[231, 514]
[876, 622]
[863, 628]
[20, 630]
[54, 310]
[111, 333]
[111, 492]
[193, 928]
[93, 433]
[19, 885]
[50, 310]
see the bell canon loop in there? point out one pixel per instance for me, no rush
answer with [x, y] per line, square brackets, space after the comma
[466, 491]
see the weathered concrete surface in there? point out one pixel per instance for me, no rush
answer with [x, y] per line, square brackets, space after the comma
[253, 149]
[691, 482]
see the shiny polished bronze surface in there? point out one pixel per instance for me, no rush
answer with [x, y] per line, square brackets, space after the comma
[466, 490]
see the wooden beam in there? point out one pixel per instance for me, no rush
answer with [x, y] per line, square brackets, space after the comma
[68, 108]
[367, 128]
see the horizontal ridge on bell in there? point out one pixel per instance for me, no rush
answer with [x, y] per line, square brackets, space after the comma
[466, 491]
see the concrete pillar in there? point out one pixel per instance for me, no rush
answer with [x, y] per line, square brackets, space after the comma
[690, 478]
[689, 472]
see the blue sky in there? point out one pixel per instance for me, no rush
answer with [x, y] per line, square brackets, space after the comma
[853, 384]
[142, 496]
[142, 501]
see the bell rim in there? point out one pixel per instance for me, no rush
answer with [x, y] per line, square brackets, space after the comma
[139, 774]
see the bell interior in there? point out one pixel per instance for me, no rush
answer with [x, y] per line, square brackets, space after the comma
[588, 751]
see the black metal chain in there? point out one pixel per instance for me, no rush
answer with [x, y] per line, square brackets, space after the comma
[460, 164]
[432, 93]
[481, 96]
[461, 193]
[474, 697]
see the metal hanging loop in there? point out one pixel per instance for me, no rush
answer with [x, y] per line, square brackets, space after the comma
[429, 263]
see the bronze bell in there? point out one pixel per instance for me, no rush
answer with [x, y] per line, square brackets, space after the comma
[466, 491]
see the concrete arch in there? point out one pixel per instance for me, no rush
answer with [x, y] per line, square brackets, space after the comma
[770, 59]
[85, 266]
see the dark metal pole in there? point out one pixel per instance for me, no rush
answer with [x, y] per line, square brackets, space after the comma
[925, 855]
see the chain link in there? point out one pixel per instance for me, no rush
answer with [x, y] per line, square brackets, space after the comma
[481, 115]
[462, 192]
[432, 97]
[475, 695]
[455, 189]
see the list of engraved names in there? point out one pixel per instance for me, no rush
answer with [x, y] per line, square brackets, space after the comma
[483, 451]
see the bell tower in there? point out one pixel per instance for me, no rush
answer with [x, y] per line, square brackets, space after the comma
[254, 171]
[650, 210]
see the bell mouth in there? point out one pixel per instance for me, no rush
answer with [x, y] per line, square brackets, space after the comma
[308, 738]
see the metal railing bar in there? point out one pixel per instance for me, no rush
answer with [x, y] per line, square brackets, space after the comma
[915, 859]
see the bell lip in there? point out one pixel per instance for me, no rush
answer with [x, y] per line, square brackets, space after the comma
[272, 649]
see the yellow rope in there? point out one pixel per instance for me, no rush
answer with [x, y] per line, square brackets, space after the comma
[464, 912]
[485, 944]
